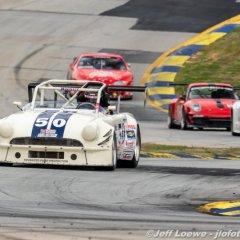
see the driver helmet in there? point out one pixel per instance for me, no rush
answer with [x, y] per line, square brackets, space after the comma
[90, 97]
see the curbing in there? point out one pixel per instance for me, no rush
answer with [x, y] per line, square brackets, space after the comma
[227, 208]
[182, 155]
[164, 70]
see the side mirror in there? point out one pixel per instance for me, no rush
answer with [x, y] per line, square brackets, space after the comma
[129, 65]
[74, 59]
[183, 97]
[112, 108]
[18, 104]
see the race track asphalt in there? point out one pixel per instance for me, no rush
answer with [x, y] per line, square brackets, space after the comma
[38, 39]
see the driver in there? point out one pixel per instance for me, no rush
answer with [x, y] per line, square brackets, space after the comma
[91, 97]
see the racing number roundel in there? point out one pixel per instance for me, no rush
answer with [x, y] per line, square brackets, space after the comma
[42, 122]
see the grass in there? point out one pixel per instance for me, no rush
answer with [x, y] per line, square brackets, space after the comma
[218, 62]
[155, 150]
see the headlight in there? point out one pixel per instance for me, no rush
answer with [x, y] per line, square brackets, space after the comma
[119, 83]
[196, 107]
[90, 132]
[6, 129]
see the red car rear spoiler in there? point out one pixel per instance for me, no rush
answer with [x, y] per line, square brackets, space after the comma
[32, 85]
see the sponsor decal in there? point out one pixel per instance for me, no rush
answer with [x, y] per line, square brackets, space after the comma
[46, 161]
[130, 143]
[70, 89]
[126, 157]
[131, 127]
[131, 134]
[50, 124]
[121, 131]
[127, 154]
[47, 133]
[101, 74]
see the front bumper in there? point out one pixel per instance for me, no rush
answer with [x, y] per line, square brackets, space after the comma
[210, 122]
[56, 155]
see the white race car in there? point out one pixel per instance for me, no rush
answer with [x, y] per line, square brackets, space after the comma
[235, 119]
[70, 130]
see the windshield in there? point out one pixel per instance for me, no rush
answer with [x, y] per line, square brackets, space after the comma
[110, 63]
[88, 96]
[55, 104]
[213, 92]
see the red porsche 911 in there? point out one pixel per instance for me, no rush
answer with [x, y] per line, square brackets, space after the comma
[108, 68]
[205, 105]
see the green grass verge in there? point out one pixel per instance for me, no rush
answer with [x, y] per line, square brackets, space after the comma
[157, 150]
[218, 62]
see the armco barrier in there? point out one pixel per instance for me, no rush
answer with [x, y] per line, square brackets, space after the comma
[165, 68]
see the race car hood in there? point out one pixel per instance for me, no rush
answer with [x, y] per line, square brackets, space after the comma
[106, 76]
[51, 123]
[212, 107]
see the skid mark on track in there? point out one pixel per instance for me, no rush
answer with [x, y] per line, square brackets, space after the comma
[18, 67]
[190, 171]
[47, 12]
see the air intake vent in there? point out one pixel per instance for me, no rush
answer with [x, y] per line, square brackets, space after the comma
[66, 142]
[39, 154]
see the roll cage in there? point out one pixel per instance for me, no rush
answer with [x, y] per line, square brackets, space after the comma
[36, 90]
[59, 86]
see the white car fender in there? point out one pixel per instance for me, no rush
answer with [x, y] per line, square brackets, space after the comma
[113, 120]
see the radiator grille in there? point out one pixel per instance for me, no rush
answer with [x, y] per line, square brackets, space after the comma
[51, 155]
[66, 142]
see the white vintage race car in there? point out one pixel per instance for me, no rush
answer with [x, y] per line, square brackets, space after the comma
[57, 129]
[235, 119]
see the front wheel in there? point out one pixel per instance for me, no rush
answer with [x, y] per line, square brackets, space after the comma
[184, 124]
[135, 159]
[114, 154]
[170, 123]
[232, 129]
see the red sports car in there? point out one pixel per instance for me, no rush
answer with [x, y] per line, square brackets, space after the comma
[103, 67]
[204, 105]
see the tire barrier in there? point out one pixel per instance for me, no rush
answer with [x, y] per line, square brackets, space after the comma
[164, 70]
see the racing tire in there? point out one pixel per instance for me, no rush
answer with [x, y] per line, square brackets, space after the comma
[184, 125]
[6, 164]
[114, 154]
[134, 162]
[170, 123]
[233, 133]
